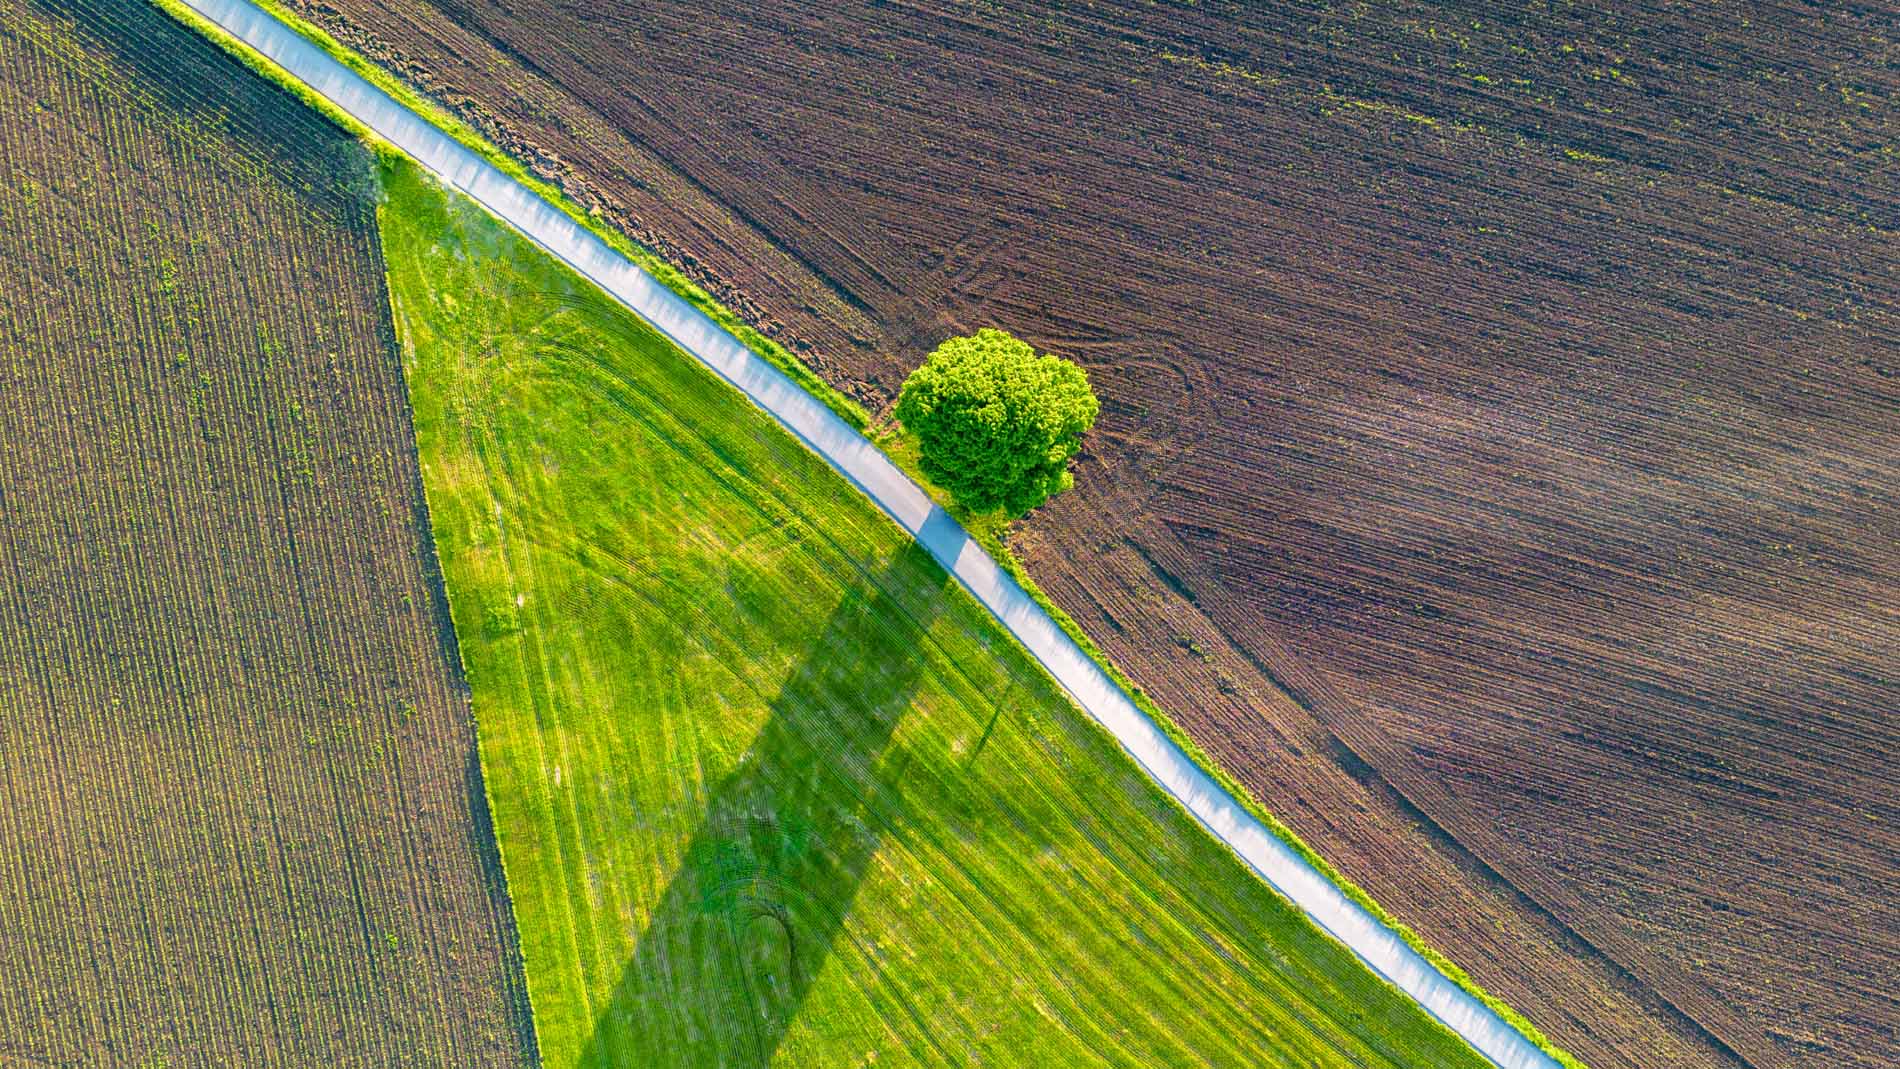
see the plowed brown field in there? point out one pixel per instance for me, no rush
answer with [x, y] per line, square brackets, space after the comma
[1498, 469]
[241, 818]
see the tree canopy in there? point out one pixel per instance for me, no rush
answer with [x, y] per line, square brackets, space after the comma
[997, 422]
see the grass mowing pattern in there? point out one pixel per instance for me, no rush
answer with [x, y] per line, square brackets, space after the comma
[768, 786]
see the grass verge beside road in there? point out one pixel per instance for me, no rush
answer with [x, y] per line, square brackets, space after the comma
[669, 276]
[769, 786]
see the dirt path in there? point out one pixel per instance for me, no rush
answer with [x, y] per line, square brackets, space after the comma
[858, 460]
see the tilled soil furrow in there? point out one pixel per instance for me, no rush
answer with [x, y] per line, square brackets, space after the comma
[239, 818]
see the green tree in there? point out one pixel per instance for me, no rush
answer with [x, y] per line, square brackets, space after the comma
[996, 422]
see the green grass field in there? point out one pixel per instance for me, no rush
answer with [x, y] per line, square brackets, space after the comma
[770, 788]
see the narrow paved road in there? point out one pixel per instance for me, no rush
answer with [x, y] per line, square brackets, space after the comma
[861, 462]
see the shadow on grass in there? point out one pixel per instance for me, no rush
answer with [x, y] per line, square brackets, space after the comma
[733, 946]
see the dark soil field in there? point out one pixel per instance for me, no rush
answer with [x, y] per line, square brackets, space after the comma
[1498, 467]
[241, 818]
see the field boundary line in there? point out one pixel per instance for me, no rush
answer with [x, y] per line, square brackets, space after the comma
[1382, 948]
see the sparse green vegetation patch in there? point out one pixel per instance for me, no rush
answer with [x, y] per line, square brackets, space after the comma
[770, 788]
[240, 814]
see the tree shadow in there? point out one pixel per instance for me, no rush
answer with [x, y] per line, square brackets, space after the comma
[175, 71]
[737, 938]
